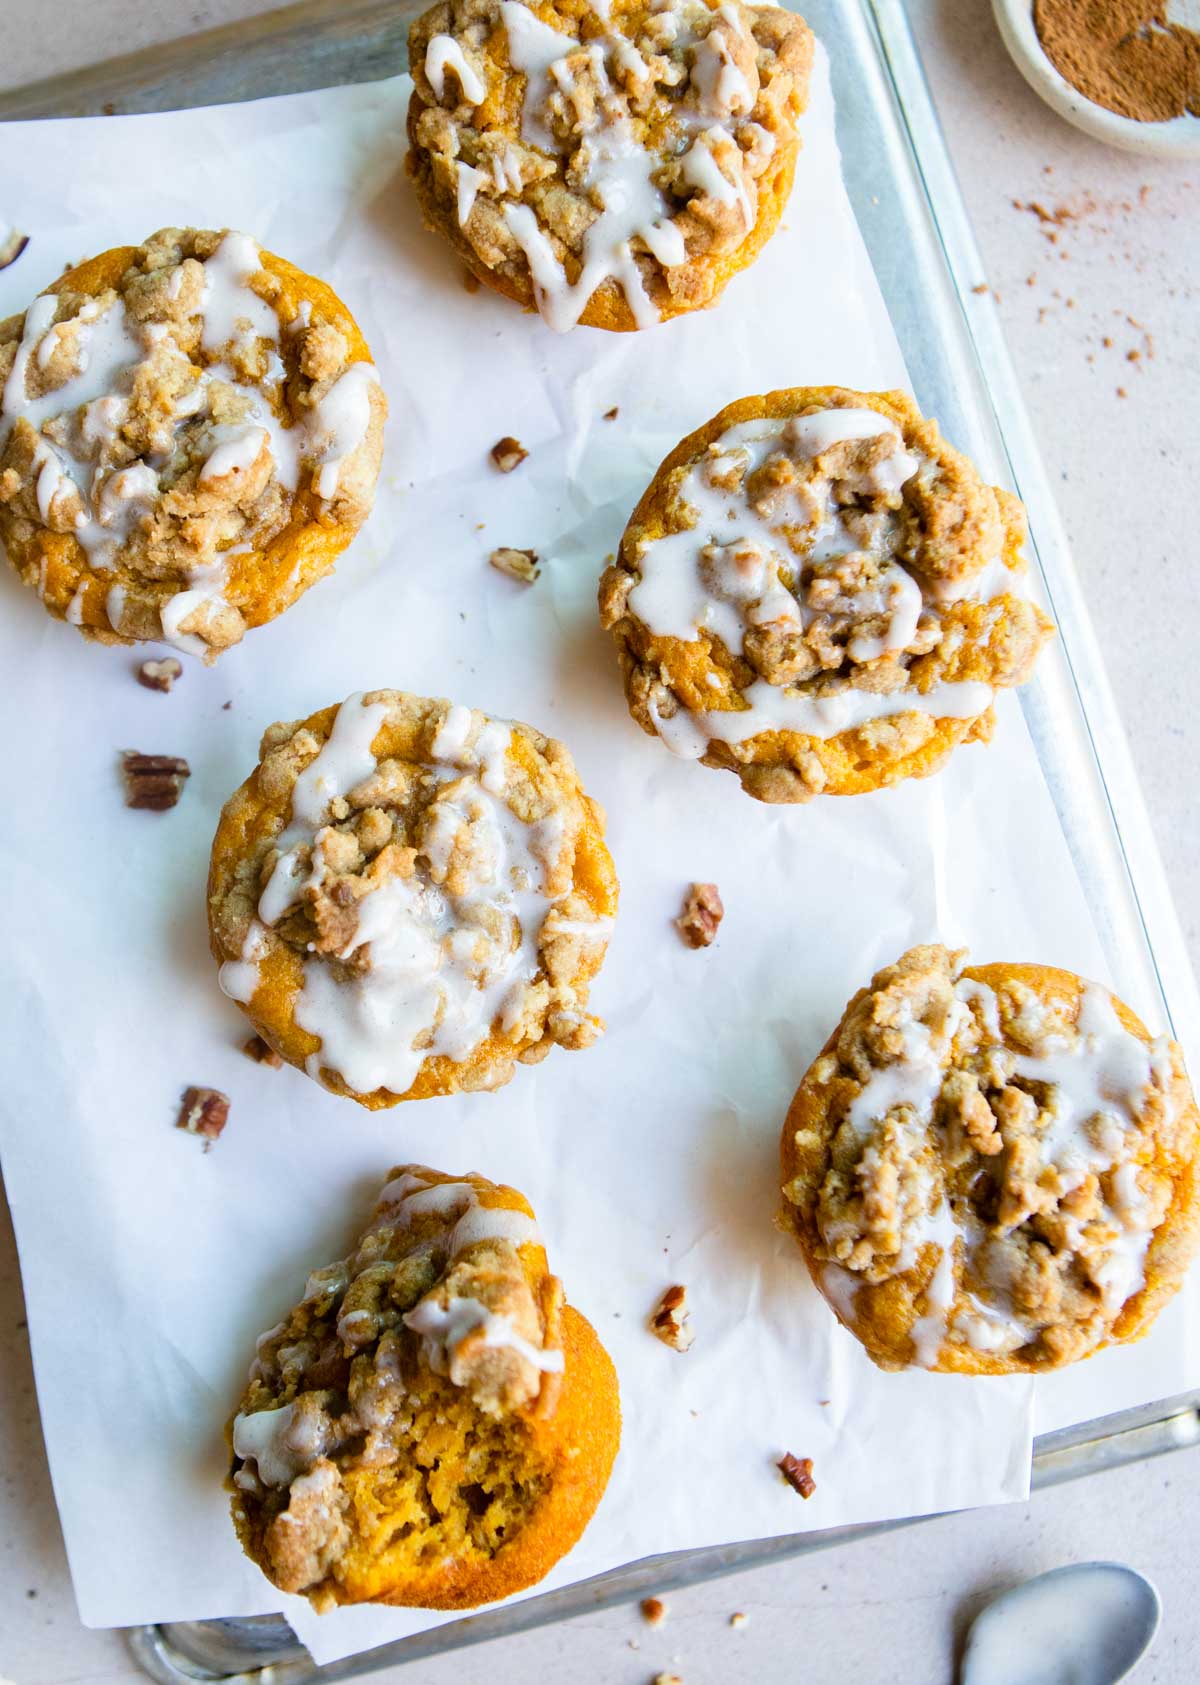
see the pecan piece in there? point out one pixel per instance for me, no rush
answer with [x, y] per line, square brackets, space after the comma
[702, 913]
[153, 781]
[610, 415]
[262, 1054]
[669, 1320]
[654, 1610]
[517, 564]
[159, 675]
[797, 1471]
[205, 1111]
[508, 453]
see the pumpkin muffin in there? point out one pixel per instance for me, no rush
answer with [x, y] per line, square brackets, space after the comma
[407, 898]
[190, 435]
[431, 1425]
[614, 165]
[992, 1170]
[817, 593]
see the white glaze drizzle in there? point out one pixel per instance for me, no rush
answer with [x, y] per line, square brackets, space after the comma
[469, 182]
[280, 1443]
[445, 53]
[722, 575]
[771, 708]
[618, 168]
[109, 347]
[443, 1328]
[468, 1223]
[338, 424]
[1102, 1071]
[444, 965]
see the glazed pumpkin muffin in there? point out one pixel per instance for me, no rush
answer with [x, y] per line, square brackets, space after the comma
[992, 1169]
[190, 435]
[431, 1425]
[406, 897]
[613, 165]
[817, 593]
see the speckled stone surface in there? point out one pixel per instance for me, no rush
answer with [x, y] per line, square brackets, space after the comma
[1113, 420]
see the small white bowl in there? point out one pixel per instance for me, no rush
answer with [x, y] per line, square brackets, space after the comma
[1179, 138]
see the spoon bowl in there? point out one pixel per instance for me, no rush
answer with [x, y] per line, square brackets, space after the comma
[1087, 1624]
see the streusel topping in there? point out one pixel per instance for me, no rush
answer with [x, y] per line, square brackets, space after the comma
[639, 143]
[170, 423]
[1004, 1143]
[843, 570]
[432, 900]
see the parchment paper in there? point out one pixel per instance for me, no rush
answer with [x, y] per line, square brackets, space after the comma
[150, 1265]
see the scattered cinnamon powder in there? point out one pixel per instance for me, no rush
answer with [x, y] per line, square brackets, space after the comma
[1126, 55]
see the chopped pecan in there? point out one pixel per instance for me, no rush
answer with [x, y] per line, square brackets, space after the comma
[159, 675]
[508, 453]
[702, 913]
[12, 244]
[654, 1610]
[610, 415]
[153, 781]
[669, 1320]
[205, 1111]
[797, 1471]
[262, 1054]
[517, 564]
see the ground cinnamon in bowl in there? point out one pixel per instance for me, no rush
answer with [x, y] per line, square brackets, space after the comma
[1138, 58]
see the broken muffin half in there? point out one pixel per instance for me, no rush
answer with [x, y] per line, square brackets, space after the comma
[431, 1425]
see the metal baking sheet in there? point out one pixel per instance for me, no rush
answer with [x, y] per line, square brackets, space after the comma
[902, 186]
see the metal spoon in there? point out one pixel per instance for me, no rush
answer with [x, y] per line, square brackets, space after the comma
[1086, 1624]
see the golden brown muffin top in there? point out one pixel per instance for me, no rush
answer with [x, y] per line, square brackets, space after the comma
[441, 1322]
[604, 145]
[167, 416]
[431, 892]
[982, 1162]
[817, 561]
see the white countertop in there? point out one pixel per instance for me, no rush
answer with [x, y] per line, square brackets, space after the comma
[1121, 268]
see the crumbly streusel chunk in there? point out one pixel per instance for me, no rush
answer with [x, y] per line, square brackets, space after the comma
[997, 1152]
[161, 428]
[622, 154]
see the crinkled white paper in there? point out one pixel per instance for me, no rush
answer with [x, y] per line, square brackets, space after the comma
[150, 1265]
